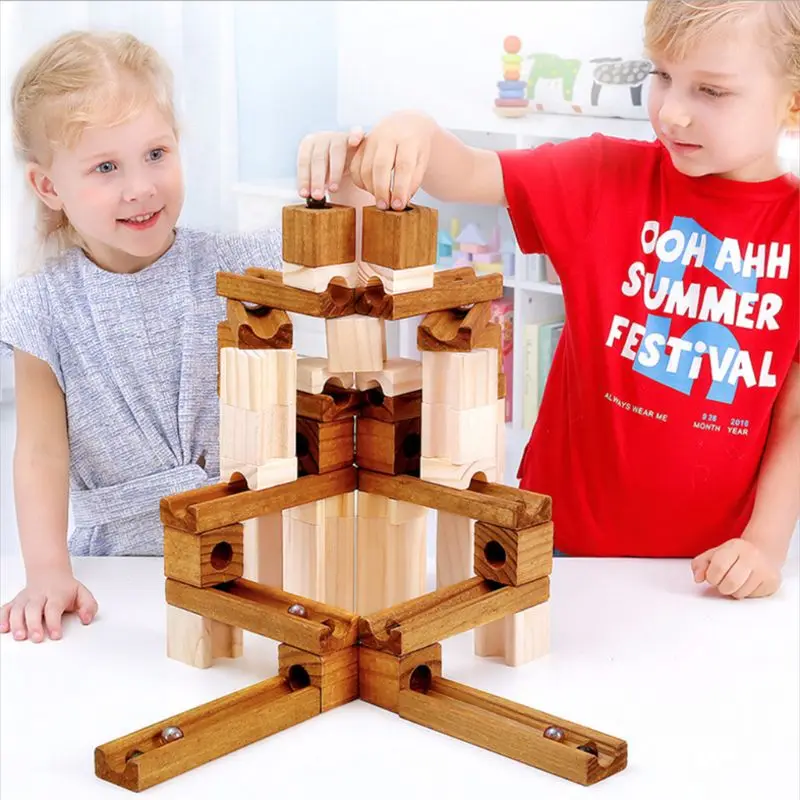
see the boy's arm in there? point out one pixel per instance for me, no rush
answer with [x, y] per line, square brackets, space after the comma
[777, 503]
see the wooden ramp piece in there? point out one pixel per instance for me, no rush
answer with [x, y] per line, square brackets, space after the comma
[144, 758]
[511, 729]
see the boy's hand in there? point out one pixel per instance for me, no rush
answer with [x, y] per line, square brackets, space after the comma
[738, 568]
[41, 604]
[323, 159]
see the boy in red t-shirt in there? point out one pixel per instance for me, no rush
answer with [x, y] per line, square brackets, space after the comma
[670, 424]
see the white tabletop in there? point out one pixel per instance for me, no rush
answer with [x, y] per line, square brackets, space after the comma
[704, 690]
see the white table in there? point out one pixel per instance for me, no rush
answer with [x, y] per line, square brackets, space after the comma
[704, 690]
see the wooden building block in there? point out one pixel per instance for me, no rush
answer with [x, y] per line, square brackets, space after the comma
[399, 239]
[256, 437]
[265, 287]
[390, 557]
[258, 379]
[511, 729]
[266, 611]
[340, 552]
[334, 674]
[144, 758]
[319, 236]
[273, 472]
[204, 559]
[512, 556]
[356, 344]
[446, 612]
[317, 279]
[220, 504]
[456, 476]
[459, 435]
[397, 376]
[454, 548]
[197, 641]
[376, 405]
[263, 549]
[458, 329]
[259, 327]
[460, 380]
[487, 502]
[324, 446]
[397, 281]
[381, 676]
[331, 405]
[390, 447]
[314, 376]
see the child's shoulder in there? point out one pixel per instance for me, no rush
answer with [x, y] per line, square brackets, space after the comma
[234, 251]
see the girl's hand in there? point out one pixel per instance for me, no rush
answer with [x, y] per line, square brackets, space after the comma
[323, 159]
[738, 568]
[42, 603]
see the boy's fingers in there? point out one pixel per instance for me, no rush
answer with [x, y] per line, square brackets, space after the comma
[53, 611]
[382, 167]
[5, 612]
[33, 619]
[336, 158]
[700, 565]
[749, 587]
[17, 621]
[735, 578]
[720, 565]
[355, 137]
[404, 165]
[319, 170]
[304, 166]
[355, 168]
[87, 605]
[416, 179]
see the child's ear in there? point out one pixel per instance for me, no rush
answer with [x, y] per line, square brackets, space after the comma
[43, 186]
[793, 117]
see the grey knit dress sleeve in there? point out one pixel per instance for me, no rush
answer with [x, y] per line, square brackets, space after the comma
[136, 357]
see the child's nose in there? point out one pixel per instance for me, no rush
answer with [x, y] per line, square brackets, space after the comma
[138, 186]
[673, 114]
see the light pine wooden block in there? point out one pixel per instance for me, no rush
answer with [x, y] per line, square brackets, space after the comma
[340, 561]
[456, 476]
[460, 436]
[316, 279]
[455, 536]
[304, 558]
[397, 376]
[273, 472]
[356, 343]
[263, 549]
[197, 641]
[397, 281]
[460, 380]
[527, 635]
[255, 437]
[313, 374]
[500, 459]
[257, 379]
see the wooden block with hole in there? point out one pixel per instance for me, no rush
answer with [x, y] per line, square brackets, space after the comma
[399, 239]
[324, 446]
[204, 559]
[512, 556]
[396, 376]
[318, 235]
[384, 408]
[197, 641]
[334, 674]
[390, 447]
[330, 405]
[356, 343]
[382, 676]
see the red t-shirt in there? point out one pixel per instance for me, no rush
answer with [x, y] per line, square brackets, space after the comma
[681, 299]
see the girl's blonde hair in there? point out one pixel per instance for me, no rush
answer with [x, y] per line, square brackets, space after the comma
[673, 26]
[82, 79]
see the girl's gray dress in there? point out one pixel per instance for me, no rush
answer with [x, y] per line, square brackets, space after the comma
[136, 357]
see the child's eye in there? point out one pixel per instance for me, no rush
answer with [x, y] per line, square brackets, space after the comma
[105, 167]
[660, 74]
[156, 154]
[712, 92]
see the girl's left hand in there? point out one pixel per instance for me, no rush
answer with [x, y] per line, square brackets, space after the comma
[738, 568]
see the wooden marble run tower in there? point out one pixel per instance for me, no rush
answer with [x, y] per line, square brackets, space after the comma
[316, 535]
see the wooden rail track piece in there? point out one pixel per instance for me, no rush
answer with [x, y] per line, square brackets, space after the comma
[381, 675]
[451, 288]
[143, 759]
[384, 408]
[332, 405]
[446, 612]
[511, 729]
[486, 502]
[265, 287]
[222, 504]
[265, 610]
[259, 328]
[459, 329]
[334, 674]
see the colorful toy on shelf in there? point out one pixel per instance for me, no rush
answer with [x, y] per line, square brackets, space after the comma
[316, 535]
[511, 100]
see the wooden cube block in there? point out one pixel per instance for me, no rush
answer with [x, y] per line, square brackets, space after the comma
[324, 446]
[204, 559]
[356, 343]
[400, 239]
[513, 557]
[460, 380]
[389, 447]
[377, 405]
[382, 675]
[459, 435]
[331, 405]
[318, 237]
[334, 674]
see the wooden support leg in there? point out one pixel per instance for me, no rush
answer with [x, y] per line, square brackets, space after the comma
[263, 550]
[197, 641]
[454, 548]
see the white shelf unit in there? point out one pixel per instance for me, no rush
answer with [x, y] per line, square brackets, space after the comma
[534, 298]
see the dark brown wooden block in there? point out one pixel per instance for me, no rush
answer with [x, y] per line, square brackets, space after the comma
[259, 328]
[458, 329]
[324, 446]
[318, 237]
[334, 674]
[393, 448]
[513, 557]
[333, 404]
[376, 405]
[400, 239]
[382, 675]
[204, 559]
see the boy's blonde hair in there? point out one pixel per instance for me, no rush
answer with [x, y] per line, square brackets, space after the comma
[672, 27]
[82, 79]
